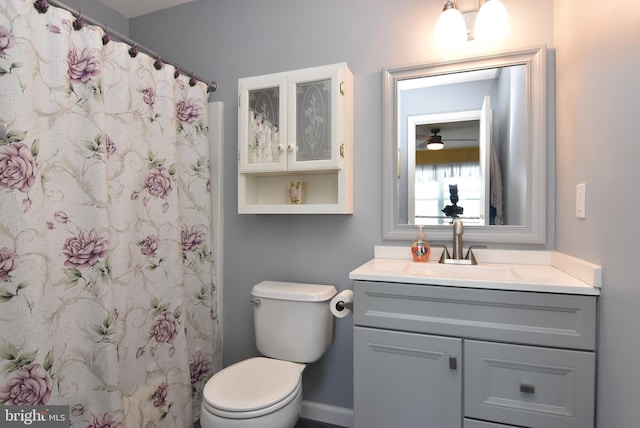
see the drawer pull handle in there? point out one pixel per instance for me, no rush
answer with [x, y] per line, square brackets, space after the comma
[527, 389]
[453, 363]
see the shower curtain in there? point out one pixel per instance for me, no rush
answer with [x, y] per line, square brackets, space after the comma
[107, 297]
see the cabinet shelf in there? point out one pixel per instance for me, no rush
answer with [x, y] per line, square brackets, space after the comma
[266, 193]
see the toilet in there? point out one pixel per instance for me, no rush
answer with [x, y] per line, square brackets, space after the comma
[293, 327]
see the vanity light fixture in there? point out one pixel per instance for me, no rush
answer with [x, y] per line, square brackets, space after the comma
[454, 27]
[451, 29]
[492, 22]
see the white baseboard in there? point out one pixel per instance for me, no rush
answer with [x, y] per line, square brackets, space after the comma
[328, 414]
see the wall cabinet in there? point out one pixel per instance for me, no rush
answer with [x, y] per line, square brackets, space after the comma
[295, 142]
[430, 356]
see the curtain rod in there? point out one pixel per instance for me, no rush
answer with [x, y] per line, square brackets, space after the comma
[42, 5]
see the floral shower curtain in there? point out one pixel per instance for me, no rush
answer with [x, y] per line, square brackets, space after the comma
[107, 297]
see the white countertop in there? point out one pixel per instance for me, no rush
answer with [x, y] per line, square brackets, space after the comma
[535, 271]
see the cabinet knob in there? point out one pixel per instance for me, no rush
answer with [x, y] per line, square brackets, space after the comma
[290, 147]
[280, 148]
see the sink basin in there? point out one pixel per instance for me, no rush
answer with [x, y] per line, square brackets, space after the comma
[467, 272]
[498, 270]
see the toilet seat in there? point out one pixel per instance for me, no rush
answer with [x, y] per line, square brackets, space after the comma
[252, 388]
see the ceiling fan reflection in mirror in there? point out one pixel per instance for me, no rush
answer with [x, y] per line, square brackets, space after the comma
[436, 142]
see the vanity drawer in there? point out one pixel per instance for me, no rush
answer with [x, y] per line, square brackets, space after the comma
[545, 319]
[529, 386]
[472, 423]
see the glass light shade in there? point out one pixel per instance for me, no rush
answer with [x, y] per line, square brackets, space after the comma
[451, 29]
[492, 22]
[435, 146]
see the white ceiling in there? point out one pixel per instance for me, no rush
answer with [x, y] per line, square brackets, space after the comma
[133, 8]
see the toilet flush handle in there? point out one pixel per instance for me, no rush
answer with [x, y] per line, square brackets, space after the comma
[255, 302]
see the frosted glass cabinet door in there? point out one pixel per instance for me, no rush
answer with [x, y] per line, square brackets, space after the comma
[317, 117]
[313, 120]
[262, 123]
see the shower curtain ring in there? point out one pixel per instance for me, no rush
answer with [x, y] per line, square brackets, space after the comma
[106, 38]
[78, 23]
[192, 81]
[4, 130]
[41, 6]
[133, 50]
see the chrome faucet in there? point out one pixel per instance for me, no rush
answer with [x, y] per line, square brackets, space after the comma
[456, 256]
[458, 230]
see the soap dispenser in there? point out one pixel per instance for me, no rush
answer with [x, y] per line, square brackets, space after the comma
[420, 249]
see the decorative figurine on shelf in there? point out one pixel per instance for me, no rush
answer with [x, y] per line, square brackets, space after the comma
[295, 192]
[454, 210]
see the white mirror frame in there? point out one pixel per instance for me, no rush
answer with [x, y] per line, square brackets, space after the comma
[534, 230]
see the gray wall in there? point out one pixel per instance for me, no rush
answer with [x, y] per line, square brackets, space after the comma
[597, 133]
[226, 40]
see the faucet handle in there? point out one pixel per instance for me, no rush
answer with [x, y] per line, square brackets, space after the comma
[470, 255]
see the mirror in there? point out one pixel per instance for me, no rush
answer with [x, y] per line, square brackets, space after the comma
[489, 114]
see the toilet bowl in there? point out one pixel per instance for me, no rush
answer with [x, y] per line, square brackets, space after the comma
[293, 326]
[258, 392]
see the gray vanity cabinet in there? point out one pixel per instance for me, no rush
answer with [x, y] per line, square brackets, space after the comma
[440, 357]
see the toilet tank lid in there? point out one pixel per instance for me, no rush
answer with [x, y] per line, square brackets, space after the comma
[294, 291]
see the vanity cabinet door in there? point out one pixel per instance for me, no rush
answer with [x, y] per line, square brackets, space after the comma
[406, 380]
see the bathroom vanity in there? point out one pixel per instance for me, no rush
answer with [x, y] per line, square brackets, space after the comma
[493, 345]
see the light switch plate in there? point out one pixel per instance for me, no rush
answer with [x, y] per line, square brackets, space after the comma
[581, 200]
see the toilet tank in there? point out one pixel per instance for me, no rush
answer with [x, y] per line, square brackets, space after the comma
[293, 321]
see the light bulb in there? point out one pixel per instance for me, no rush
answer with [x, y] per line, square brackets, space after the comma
[492, 22]
[451, 29]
